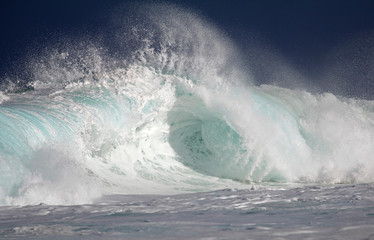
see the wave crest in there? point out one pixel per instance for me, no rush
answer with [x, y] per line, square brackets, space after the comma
[171, 111]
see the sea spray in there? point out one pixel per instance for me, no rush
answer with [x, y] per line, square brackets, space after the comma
[171, 110]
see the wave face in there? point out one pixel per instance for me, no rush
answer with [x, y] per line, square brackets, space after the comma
[171, 111]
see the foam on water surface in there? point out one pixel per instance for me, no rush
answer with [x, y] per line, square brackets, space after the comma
[137, 134]
[299, 213]
[148, 132]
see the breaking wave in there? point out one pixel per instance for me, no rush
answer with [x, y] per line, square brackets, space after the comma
[166, 107]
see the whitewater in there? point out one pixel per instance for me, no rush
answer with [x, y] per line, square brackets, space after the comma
[163, 133]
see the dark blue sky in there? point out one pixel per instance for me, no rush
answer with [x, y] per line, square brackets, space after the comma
[303, 31]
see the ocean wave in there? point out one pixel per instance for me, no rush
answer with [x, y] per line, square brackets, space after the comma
[177, 113]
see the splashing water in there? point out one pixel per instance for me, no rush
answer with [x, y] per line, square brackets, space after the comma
[171, 111]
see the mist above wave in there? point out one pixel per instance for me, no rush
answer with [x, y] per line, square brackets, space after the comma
[163, 104]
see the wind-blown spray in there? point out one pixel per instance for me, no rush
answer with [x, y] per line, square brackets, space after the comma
[168, 108]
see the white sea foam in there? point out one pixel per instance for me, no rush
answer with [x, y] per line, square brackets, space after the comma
[3, 97]
[176, 115]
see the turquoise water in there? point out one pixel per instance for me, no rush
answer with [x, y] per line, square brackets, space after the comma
[156, 133]
[168, 136]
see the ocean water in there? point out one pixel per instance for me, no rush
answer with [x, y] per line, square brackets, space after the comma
[159, 131]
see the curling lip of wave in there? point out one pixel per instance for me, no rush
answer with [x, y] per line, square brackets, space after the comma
[175, 117]
[156, 130]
